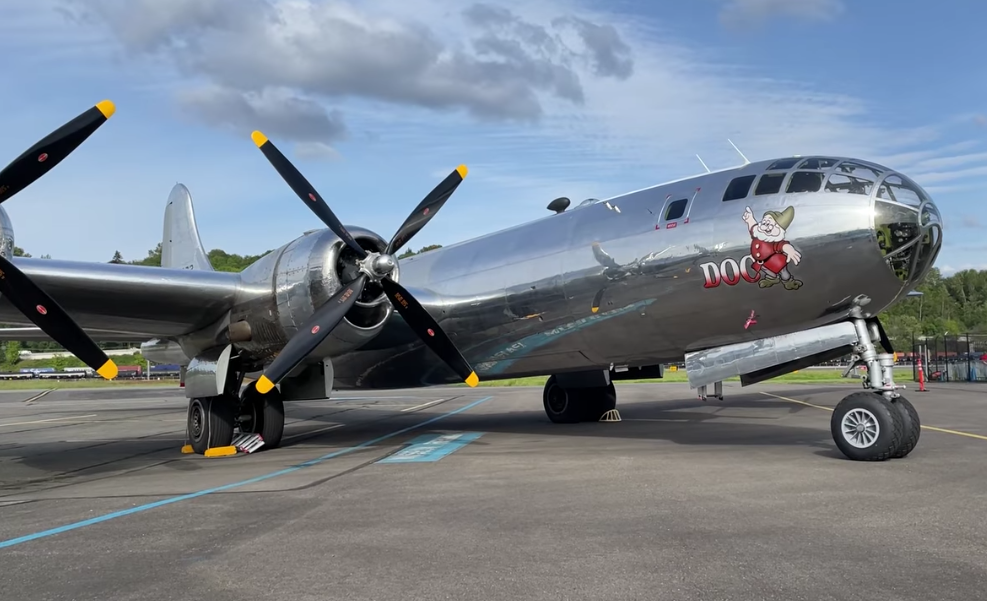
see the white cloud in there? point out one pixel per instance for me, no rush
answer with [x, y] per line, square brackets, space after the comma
[544, 99]
[552, 87]
[948, 270]
[972, 221]
[745, 12]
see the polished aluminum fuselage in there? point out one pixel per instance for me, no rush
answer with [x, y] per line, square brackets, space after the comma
[520, 301]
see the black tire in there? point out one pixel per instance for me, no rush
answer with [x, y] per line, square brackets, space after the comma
[265, 414]
[912, 426]
[871, 411]
[561, 404]
[597, 401]
[209, 423]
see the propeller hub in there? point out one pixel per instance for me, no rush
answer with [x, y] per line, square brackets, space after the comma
[378, 265]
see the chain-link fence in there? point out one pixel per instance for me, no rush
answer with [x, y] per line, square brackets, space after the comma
[949, 358]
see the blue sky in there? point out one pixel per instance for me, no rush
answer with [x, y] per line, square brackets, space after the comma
[376, 101]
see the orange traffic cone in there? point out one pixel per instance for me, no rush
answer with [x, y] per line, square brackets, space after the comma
[921, 376]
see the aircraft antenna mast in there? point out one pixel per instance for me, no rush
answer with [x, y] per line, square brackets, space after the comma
[746, 162]
[703, 163]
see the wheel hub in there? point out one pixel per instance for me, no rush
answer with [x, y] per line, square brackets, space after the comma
[557, 399]
[860, 428]
[195, 423]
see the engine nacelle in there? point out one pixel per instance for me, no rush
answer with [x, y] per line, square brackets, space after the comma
[281, 291]
[6, 235]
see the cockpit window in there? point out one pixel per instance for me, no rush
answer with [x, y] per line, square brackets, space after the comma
[783, 164]
[848, 185]
[770, 183]
[931, 215]
[818, 163]
[739, 188]
[896, 190]
[858, 170]
[898, 231]
[805, 181]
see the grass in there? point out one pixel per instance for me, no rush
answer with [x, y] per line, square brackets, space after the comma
[53, 384]
[811, 376]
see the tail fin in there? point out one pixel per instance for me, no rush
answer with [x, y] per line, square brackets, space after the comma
[181, 247]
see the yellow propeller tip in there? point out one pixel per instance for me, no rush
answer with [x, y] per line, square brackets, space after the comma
[595, 309]
[264, 384]
[472, 380]
[107, 108]
[108, 370]
[258, 138]
[462, 170]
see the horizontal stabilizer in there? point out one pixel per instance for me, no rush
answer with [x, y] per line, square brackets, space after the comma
[181, 247]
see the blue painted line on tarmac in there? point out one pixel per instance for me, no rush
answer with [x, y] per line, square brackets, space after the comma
[119, 514]
[432, 447]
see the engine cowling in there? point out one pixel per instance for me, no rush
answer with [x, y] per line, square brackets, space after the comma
[6, 235]
[283, 289]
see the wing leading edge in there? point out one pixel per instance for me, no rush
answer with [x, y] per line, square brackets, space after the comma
[124, 303]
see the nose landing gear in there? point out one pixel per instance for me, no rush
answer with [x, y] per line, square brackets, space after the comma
[878, 423]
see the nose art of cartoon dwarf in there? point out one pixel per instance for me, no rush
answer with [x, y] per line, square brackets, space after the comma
[769, 248]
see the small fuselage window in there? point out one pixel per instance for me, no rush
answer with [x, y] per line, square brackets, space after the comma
[676, 209]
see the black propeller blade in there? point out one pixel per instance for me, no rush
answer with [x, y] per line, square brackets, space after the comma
[43, 156]
[426, 209]
[376, 267]
[428, 330]
[45, 313]
[305, 191]
[311, 334]
[23, 293]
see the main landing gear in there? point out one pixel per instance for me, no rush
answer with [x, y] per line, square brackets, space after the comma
[569, 405]
[877, 423]
[212, 421]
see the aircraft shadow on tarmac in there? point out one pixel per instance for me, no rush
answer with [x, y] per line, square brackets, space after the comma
[714, 423]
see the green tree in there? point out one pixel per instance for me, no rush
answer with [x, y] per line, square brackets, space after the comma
[117, 257]
[12, 352]
[424, 249]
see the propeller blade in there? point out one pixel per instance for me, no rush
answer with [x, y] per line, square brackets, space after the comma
[426, 209]
[45, 313]
[598, 299]
[311, 334]
[428, 330]
[305, 191]
[43, 156]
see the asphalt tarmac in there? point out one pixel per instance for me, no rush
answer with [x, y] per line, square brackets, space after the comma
[745, 498]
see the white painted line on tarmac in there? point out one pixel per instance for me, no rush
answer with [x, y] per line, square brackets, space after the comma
[45, 421]
[423, 405]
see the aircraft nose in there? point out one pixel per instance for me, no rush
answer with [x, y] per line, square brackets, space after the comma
[909, 228]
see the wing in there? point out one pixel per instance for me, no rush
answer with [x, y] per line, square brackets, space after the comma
[34, 334]
[125, 302]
